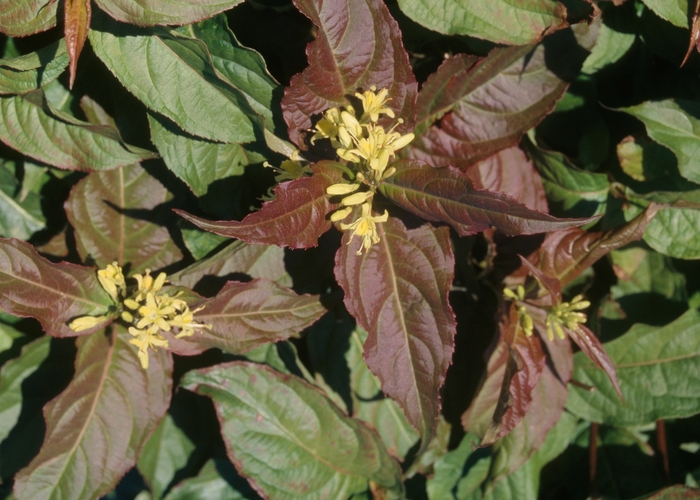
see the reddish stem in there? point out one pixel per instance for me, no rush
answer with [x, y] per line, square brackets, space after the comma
[663, 449]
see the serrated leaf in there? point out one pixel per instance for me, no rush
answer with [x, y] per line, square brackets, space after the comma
[297, 433]
[609, 47]
[246, 315]
[152, 12]
[31, 286]
[451, 480]
[76, 24]
[673, 232]
[196, 161]
[658, 373]
[674, 11]
[358, 44]
[27, 17]
[397, 291]
[217, 479]
[173, 75]
[116, 218]
[31, 125]
[567, 253]
[31, 71]
[486, 105]
[295, 218]
[20, 209]
[571, 192]
[511, 173]
[96, 427]
[447, 195]
[676, 125]
[237, 259]
[499, 21]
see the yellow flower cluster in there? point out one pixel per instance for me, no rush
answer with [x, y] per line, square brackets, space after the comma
[367, 147]
[148, 310]
[560, 316]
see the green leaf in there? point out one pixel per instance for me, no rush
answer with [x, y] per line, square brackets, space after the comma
[239, 258]
[20, 209]
[196, 161]
[26, 17]
[673, 232]
[217, 480]
[150, 12]
[31, 125]
[31, 71]
[295, 218]
[31, 286]
[358, 44]
[676, 125]
[278, 428]
[460, 473]
[116, 218]
[200, 243]
[97, 426]
[571, 192]
[397, 291]
[674, 11]
[174, 76]
[609, 47]
[462, 115]
[447, 195]
[658, 372]
[500, 21]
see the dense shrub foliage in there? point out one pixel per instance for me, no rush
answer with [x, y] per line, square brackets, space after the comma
[349, 249]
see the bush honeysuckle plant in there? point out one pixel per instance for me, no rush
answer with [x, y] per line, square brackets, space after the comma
[296, 249]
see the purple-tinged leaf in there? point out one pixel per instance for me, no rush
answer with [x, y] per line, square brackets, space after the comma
[244, 316]
[469, 110]
[31, 125]
[113, 215]
[511, 173]
[552, 285]
[397, 291]
[566, 254]
[55, 294]
[174, 12]
[237, 259]
[295, 218]
[358, 45]
[96, 427]
[591, 347]
[76, 24]
[524, 363]
[26, 17]
[447, 195]
[289, 439]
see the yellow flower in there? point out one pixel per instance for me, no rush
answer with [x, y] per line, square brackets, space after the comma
[373, 103]
[340, 214]
[565, 314]
[327, 127]
[366, 227]
[340, 189]
[145, 339]
[155, 312]
[356, 198]
[148, 285]
[186, 323]
[112, 280]
[86, 322]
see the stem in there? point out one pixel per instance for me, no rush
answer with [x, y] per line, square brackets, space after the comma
[663, 449]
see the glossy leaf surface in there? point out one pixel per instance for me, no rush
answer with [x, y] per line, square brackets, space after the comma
[173, 75]
[473, 122]
[295, 218]
[108, 211]
[96, 427]
[658, 372]
[447, 195]
[499, 21]
[673, 232]
[358, 45]
[151, 12]
[674, 11]
[408, 347]
[267, 414]
[55, 294]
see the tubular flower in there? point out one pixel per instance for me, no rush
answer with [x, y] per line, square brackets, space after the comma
[148, 311]
[373, 103]
[365, 227]
[565, 314]
[112, 280]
